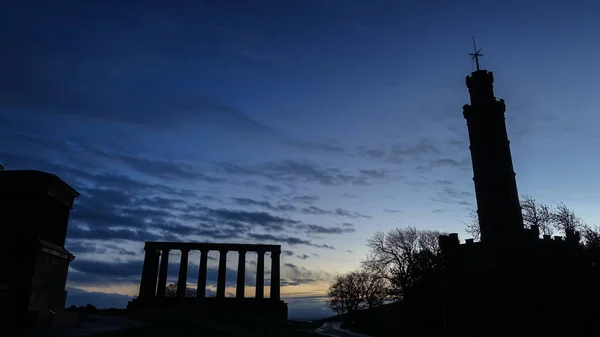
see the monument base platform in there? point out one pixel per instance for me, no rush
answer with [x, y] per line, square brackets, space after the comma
[262, 309]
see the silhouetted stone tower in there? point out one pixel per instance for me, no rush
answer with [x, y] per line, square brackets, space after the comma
[498, 206]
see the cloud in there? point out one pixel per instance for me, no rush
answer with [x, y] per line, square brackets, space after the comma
[292, 241]
[164, 169]
[329, 147]
[437, 211]
[374, 154]
[427, 154]
[306, 199]
[453, 193]
[303, 256]
[348, 226]
[296, 282]
[343, 212]
[116, 208]
[258, 219]
[287, 253]
[292, 171]
[428, 166]
[389, 210]
[97, 247]
[263, 204]
[374, 173]
[318, 229]
[293, 272]
[314, 210]
[450, 195]
[272, 188]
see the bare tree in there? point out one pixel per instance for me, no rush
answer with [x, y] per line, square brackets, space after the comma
[400, 256]
[356, 290]
[564, 220]
[472, 226]
[345, 293]
[374, 289]
[591, 237]
[534, 213]
[537, 214]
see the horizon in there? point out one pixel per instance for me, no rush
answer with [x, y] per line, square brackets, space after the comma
[312, 125]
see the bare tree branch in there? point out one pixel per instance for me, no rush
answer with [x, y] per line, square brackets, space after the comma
[564, 219]
[399, 257]
[472, 226]
[537, 214]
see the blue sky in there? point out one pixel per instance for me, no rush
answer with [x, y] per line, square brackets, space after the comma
[311, 124]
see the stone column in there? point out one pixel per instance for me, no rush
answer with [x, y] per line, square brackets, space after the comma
[182, 281]
[222, 273]
[275, 291]
[260, 274]
[241, 275]
[162, 276]
[149, 271]
[201, 291]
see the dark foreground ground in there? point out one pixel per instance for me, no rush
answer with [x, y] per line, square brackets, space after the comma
[181, 323]
[170, 323]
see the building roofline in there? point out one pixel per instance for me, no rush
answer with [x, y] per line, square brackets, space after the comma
[47, 175]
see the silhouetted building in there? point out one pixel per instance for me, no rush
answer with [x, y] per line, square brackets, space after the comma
[34, 209]
[512, 282]
[154, 280]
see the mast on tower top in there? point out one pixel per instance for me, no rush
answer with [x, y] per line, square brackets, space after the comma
[476, 54]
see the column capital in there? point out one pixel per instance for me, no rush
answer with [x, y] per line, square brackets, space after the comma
[223, 250]
[260, 252]
[186, 250]
[242, 251]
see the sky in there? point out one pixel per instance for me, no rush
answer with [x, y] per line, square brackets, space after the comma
[306, 123]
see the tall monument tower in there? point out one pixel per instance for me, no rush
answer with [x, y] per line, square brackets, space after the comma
[498, 206]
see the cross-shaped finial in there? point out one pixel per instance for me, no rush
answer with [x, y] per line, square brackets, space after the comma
[476, 54]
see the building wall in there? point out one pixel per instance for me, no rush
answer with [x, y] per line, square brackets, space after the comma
[33, 205]
[530, 288]
[48, 283]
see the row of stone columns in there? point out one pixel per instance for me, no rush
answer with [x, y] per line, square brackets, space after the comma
[150, 289]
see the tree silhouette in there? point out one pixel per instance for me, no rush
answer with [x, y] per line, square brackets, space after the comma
[171, 291]
[356, 290]
[550, 220]
[403, 257]
[472, 226]
[565, 220]
[537, 214]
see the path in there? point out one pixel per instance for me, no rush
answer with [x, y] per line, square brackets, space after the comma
[333, 329]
